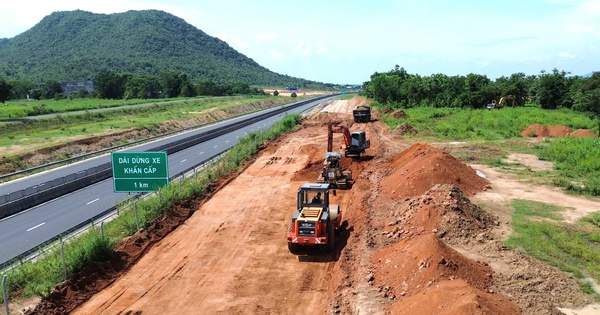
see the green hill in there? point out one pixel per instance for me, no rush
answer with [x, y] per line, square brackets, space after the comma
[76, 45]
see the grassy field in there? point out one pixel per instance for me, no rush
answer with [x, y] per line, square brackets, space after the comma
[48, 131]
[540, 232]
[24, 108]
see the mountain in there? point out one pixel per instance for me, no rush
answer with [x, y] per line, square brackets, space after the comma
[76, 45]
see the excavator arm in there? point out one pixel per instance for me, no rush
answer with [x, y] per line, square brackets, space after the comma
[337, 129]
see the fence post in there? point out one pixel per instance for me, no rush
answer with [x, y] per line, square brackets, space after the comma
[4, 295]
[196, 175]
[62, 253]
[137, 221]
[102, 229]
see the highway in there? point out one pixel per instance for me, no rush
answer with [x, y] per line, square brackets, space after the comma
[29, 229]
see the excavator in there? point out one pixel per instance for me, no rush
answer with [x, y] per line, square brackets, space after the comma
[355, 143]
[500, 104]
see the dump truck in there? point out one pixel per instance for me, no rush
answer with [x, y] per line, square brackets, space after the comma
[332, 172]
[362, 114]
[315, 221]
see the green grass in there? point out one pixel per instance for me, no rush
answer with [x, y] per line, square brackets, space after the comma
[540, 232]
[458, 124]
[45, 131]
[92, 248]
[24, 108]
[576, 159]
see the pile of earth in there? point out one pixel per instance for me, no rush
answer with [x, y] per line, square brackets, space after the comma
[420, 167]
[423, 275]
[72, 148]
[404, 128]
[399, 114]
[556, 131]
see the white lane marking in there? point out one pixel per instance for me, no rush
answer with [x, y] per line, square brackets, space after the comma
[227, 141]
[93, 201]
[237, 137]
[183, 160]
[215, 146]
[35, 227]
[201, 153]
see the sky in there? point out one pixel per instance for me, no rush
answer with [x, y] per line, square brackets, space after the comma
[345, 42]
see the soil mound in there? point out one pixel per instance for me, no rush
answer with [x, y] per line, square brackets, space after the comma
[445, 211]
[358, 101]
[420, 167]
[323, 118]
[387, 110]
[583, 133]
[423, 274]
[536, 130]
[404, 129]
[559, 131]
[455, 297]
[399, 114]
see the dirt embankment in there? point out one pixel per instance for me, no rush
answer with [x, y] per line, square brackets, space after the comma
[413, 243]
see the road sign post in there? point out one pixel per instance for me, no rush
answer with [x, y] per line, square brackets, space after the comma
[139, 171]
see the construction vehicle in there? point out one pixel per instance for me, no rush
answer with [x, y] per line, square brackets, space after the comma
[315, 221]
[355, 143]
[500, 104]
[362, 113]
[332, 172]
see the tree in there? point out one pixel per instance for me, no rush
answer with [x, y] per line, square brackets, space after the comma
[110, 85]
[5, 90]
[587, 98]
[551, 89]
[51, 89]
[275, 93]
[293, 94]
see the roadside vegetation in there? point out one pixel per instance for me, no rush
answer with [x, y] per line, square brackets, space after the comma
[93, 247]
[46, 131]
[25, 108]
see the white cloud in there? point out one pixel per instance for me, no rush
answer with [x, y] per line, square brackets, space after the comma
[566, 55]
[266, 36]
[579, 28]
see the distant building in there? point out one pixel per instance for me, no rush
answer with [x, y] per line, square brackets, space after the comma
[74, 86]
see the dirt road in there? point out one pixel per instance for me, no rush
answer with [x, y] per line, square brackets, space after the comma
[413, 243]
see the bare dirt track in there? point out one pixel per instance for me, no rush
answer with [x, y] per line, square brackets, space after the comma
[412, 243]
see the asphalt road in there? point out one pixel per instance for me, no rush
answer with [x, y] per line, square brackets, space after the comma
[27, 230]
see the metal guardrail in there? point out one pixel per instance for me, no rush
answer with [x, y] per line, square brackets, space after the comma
[17, 201]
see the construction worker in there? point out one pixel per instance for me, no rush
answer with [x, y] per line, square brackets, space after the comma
[317, 198]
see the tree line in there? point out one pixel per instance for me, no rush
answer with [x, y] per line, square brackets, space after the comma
[111, 85]
[550, 90]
